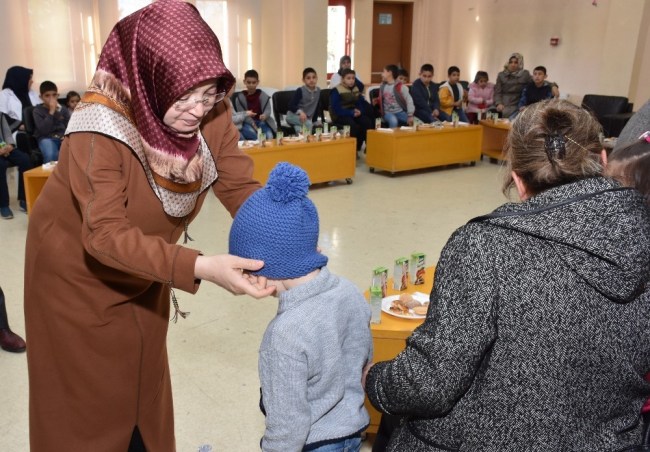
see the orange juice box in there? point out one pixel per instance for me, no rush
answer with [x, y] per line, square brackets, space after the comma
[380, 279]
[401, 274]
[416, 269]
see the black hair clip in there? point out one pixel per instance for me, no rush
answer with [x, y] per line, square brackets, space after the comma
[555, 146]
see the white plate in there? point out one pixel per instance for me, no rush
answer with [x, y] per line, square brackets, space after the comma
[247, 144]
[388, 301]
[292, 140]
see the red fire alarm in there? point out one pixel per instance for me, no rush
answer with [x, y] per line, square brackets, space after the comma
[555, 40]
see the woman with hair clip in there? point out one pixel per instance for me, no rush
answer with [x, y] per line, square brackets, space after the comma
[536, 336]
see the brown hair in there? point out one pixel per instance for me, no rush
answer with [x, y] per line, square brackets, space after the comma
[630, 166]
[552, 143]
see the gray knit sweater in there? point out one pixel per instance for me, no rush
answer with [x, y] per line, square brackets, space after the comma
[537, 337]
[310, 364]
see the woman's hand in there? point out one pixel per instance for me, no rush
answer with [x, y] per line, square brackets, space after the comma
[229, 272]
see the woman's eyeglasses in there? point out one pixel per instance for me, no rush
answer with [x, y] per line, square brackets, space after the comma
[208, 101]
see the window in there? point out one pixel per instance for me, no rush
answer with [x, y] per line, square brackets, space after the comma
[52, 56]
[338, 32]
[215, 13]
[126, 7]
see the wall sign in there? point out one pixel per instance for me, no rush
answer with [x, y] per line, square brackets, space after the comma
[385, 19]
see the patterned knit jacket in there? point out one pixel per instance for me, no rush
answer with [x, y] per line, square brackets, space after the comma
[537, 334]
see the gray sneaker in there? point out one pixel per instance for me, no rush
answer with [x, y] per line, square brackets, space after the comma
[6, 213]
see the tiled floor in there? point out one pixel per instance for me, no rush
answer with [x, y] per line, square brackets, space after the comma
[213, 353]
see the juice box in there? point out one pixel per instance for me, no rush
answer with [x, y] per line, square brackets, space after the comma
[378, 123]
[380, 279]
[417, 269]
[375, 304]
[401, 274]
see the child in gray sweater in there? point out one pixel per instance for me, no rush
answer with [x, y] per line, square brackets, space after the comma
[314, 351]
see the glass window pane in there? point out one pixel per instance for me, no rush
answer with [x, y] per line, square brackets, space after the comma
[127, 7]
[215, 13]
[54, 52]
[336, 28]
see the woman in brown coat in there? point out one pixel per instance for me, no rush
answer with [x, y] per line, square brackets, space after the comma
[145, 144]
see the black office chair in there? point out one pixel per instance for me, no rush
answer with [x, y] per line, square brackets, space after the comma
[281, 101]
[325, 104]
[26, 140]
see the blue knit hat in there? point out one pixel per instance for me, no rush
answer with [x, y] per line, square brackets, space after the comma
[279, 225]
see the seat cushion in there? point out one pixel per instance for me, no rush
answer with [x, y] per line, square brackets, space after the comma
[605, 105]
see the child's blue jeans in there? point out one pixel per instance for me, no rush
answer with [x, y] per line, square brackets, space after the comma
[50, 149]
[396, 119]
[346, 445]
[249, 133]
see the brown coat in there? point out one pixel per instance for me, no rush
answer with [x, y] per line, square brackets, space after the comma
[101, 257]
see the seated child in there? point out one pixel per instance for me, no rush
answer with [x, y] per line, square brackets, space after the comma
[535, 91]
[395, 102]
[71, 100]
[451, 95]
[255, 105]
[344, 63]
[305, 108]
[348, 107]
[481, 96]
[314, 351]
[403, 76]
[425, 97]
[50, 122]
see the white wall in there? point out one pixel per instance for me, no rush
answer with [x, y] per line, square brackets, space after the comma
[604, 49]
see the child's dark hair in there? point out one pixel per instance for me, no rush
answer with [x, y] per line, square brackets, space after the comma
[251, 73]
[540, 68]
[452, 69]
[403, 72]
[347, 71]
[48, 86]
[630, 165]
[393, 70]
[70, 95]
[427, 67]
[480, 75]
[308, 70]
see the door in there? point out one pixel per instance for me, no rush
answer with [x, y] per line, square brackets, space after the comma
[391, 36]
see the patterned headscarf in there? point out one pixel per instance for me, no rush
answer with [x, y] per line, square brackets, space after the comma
[17, 80]
[151, 58]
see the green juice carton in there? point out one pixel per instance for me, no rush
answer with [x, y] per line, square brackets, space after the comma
[401, 273]
[375, 304]
[417, 270]
[380, 279]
